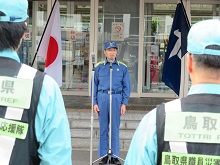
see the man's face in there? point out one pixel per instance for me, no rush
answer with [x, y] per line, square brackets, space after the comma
[110, 53]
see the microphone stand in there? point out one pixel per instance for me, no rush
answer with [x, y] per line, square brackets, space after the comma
[110, 153]
[92, 108]
[110, 115]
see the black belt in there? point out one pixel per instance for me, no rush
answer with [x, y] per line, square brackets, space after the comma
[113, 92]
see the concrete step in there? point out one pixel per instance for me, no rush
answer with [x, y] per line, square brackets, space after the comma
[86, 124]
[86, 114]
[86, 133]
[84, 144]
[80, 125]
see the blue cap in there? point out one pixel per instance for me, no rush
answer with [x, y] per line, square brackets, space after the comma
[204, 38]
[14, 10]
[109, 45]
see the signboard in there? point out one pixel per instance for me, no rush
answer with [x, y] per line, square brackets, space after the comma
[27, 35]
[73, 35]
[15, 92]
[117, 31]
[192, 127]
[154, 61]
[13, 128]
[189, 159]
[86, 37]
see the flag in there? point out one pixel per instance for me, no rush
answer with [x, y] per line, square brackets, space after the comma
[50, 47]
[176, 49]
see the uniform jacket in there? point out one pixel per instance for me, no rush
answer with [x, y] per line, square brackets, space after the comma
[120, 79]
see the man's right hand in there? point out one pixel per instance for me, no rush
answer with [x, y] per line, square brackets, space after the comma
[96, 109]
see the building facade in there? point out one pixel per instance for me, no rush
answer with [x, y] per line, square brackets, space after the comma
[141, 29]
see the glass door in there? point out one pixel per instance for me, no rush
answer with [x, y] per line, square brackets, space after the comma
[204, 10]
[120, 23]
[75, 29]
[158, 18]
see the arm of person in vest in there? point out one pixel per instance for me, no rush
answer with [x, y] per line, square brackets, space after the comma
[52, 127]
[143, 147]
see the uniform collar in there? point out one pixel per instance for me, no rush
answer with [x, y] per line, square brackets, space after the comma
[10, 54]
[115, 62]
[205, 89]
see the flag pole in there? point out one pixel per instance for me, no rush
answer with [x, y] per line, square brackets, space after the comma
[184, 10]
[43, 33]
[183, 67]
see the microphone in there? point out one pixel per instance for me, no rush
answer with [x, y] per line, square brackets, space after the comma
[111, 60]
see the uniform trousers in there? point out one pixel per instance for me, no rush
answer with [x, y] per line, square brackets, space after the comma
[104, 123]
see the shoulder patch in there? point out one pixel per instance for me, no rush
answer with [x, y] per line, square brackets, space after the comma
[122, 63]
[101, 62]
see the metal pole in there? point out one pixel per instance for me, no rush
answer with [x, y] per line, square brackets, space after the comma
[92, 108]
[110, 102]
[110, 117]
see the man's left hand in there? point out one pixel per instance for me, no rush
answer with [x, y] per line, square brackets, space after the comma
[123, 109]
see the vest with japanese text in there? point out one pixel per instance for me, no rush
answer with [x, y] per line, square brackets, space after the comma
[17, 151]
[198, 103]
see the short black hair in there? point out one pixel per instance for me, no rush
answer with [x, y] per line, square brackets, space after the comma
[11, 34]
[207, 61]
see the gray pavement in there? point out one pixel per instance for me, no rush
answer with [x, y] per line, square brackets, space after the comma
[82, 157]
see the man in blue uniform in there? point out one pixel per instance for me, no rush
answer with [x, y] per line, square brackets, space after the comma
[34, 128]
[185, 131]
[120, 96]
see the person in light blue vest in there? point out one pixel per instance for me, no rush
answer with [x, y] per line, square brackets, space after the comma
[120, 96]
[34, 128]
[186, 130]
